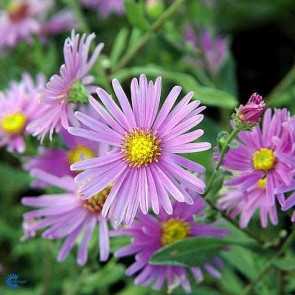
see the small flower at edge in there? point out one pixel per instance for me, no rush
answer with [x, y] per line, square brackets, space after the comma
[249, 115]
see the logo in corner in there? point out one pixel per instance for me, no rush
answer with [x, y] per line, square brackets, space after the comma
[13, 282]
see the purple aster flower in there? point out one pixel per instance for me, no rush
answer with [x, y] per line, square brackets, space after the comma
[150, 233]
[57, 161]
[285, 188]
[145, 167]
[68, 87]
[105, 7]
[245, 203]
[19, 106]
[263, 154]
[21, 20]
[212, 49]
[250, 113]
[67, 216]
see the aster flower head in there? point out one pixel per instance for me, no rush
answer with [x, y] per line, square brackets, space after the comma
[57, 161]
[67, 216]
[288, 202]
[249, 115]
[261, 162]
[21, 20]
[105, 7]
[71, 86]
[19, 106]
[145, 166]
[150, 233]
[246, 203]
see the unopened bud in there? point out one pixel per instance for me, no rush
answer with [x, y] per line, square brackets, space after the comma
[249, 115]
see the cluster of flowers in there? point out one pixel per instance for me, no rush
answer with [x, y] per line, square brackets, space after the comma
[262, 166]
[126, 156]
[121, 164]
[20, 20]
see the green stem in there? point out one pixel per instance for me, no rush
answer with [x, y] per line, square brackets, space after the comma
[148, 35]
[211, 180]
[282, 281]
[222, 154]
[47, 269]
[235, 223]
[282, 85]
[269, 264]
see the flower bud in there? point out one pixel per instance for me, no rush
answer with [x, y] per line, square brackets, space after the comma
[249, 115]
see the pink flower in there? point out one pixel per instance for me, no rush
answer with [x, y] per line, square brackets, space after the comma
[252, 111]
[21, 20]
[246, 202]
[57, 161]
[19, 106]
[150, 233]
[67, 216]
[144, 167]
[72, 85]
[262, 162]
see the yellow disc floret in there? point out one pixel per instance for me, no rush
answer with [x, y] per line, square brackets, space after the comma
[141, 147]
[174, 230]
[13, 123]
[80, 152]
[261, 183]
[95, 203]
[264, 159]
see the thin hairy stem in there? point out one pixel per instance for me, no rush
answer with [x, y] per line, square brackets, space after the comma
[157, 25]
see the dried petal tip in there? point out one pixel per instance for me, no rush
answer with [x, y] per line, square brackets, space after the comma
[249, 115]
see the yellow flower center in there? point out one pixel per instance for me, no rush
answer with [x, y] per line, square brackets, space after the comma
[264, 159]
[261, 183]
[14, 123]
[95, 203]
[174, 230]
[141, 147]
[81, 152]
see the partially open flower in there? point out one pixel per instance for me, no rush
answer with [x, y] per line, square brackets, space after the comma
[249, 115]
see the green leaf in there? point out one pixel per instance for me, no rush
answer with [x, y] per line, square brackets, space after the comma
[242, 260]
[120, 44]
[226, 76]
[216, 186]
[198, 10]
[208, 96]
[136, 15]
[189, 252]
[284, 98]
[285, 264]
[216, 97]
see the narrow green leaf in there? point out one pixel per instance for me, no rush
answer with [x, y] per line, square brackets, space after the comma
[136, 15]
[216, 97]
[285, 263]
[119, 46]
[208, 96]
[189, 252]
